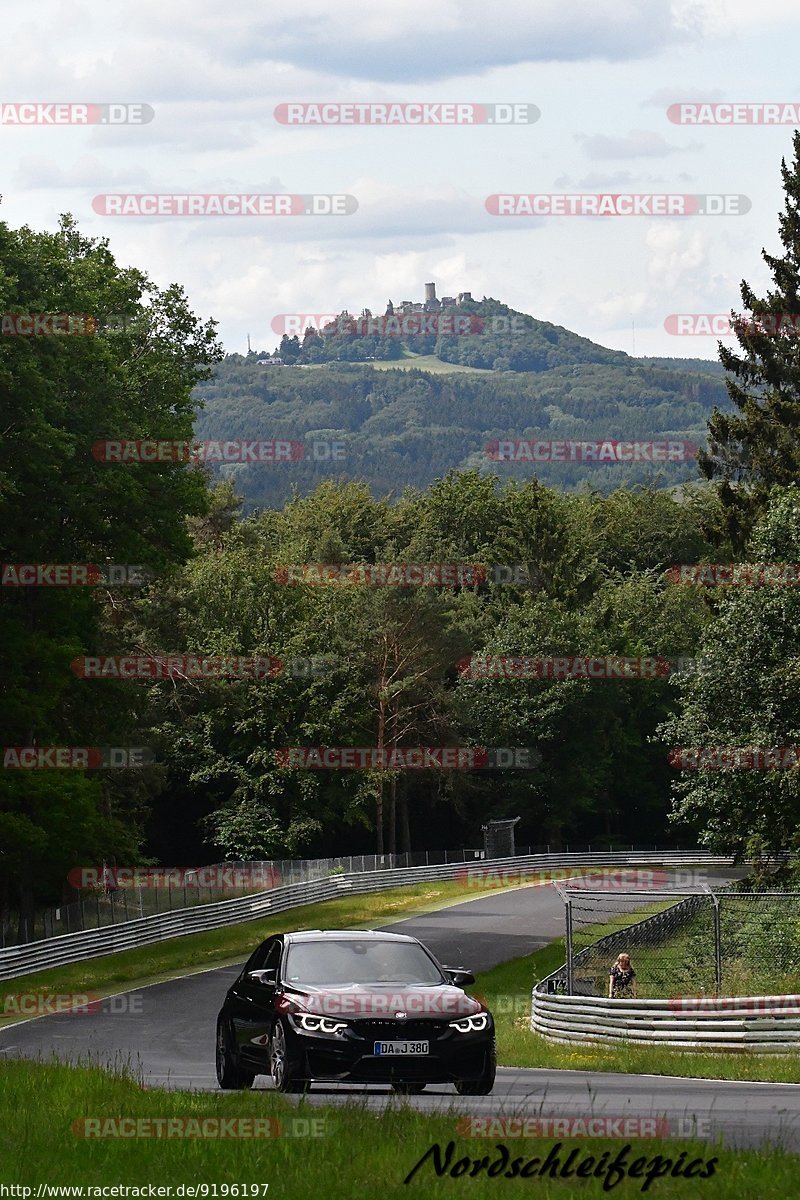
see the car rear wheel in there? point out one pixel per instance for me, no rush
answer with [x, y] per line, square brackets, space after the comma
[280, 1065]
[408, 1088]
[230, 1075]
[484, 1084]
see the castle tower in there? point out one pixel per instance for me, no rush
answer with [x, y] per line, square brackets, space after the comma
[431, 303]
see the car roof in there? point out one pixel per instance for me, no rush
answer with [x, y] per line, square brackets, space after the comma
[323, 935]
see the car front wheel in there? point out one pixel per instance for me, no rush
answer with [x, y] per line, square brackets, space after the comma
[281, 1069]
[230, 1075]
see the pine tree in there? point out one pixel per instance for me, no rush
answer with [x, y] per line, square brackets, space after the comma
[758, 446]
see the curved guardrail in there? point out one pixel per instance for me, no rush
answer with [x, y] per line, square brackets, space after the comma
[142, 931]
[767, 1024]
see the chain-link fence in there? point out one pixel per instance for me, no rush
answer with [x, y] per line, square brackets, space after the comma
[720, 941]
[100, 906]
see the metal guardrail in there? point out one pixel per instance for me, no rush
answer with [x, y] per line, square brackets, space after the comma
[766, 1024]
[181, 887]
[76, 947]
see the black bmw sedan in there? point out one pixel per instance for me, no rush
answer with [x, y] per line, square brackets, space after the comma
[357, 1007]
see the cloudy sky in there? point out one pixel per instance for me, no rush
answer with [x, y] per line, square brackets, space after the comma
[603, 75]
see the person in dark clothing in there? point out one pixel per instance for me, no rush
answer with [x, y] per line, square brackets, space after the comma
[622, 980]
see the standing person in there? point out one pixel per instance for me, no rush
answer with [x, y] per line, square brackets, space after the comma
[622, 980]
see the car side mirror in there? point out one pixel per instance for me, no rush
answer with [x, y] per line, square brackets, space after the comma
[268, 977]
[459, 977]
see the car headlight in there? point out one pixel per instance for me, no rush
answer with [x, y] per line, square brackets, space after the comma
[314, 1023]
[471, 1024]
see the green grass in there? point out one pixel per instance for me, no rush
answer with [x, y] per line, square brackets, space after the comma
[507, 991]
[360, 1155]
[426, 362]
[408, 362]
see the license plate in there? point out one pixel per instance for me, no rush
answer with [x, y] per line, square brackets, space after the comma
[387, 1048]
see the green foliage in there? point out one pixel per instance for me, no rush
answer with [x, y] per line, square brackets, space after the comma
[746, 693]
[59, 504]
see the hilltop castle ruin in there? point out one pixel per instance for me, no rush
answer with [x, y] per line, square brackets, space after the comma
[430, 304]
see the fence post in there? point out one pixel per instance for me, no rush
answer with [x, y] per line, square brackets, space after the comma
[568, 902]
[717, 944]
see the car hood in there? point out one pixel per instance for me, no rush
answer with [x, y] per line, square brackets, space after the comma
[382, 1000]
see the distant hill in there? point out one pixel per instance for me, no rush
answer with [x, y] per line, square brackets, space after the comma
[712, 366]
[396, 425]
[485, 334]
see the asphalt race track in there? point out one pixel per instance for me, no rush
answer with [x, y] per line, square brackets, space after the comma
[165, 1034]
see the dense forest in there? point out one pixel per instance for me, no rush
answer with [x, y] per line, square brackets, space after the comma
[401, 427]
[334, 584]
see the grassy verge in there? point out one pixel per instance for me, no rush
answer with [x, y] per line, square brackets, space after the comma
[356, 1155]
[507, 991]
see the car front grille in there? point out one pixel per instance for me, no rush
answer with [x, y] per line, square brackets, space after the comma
[413, 1030]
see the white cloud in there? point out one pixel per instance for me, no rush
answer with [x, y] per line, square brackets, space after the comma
[188, 46]
[638, 143]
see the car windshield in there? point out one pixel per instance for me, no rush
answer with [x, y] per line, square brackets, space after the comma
[352, 961]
